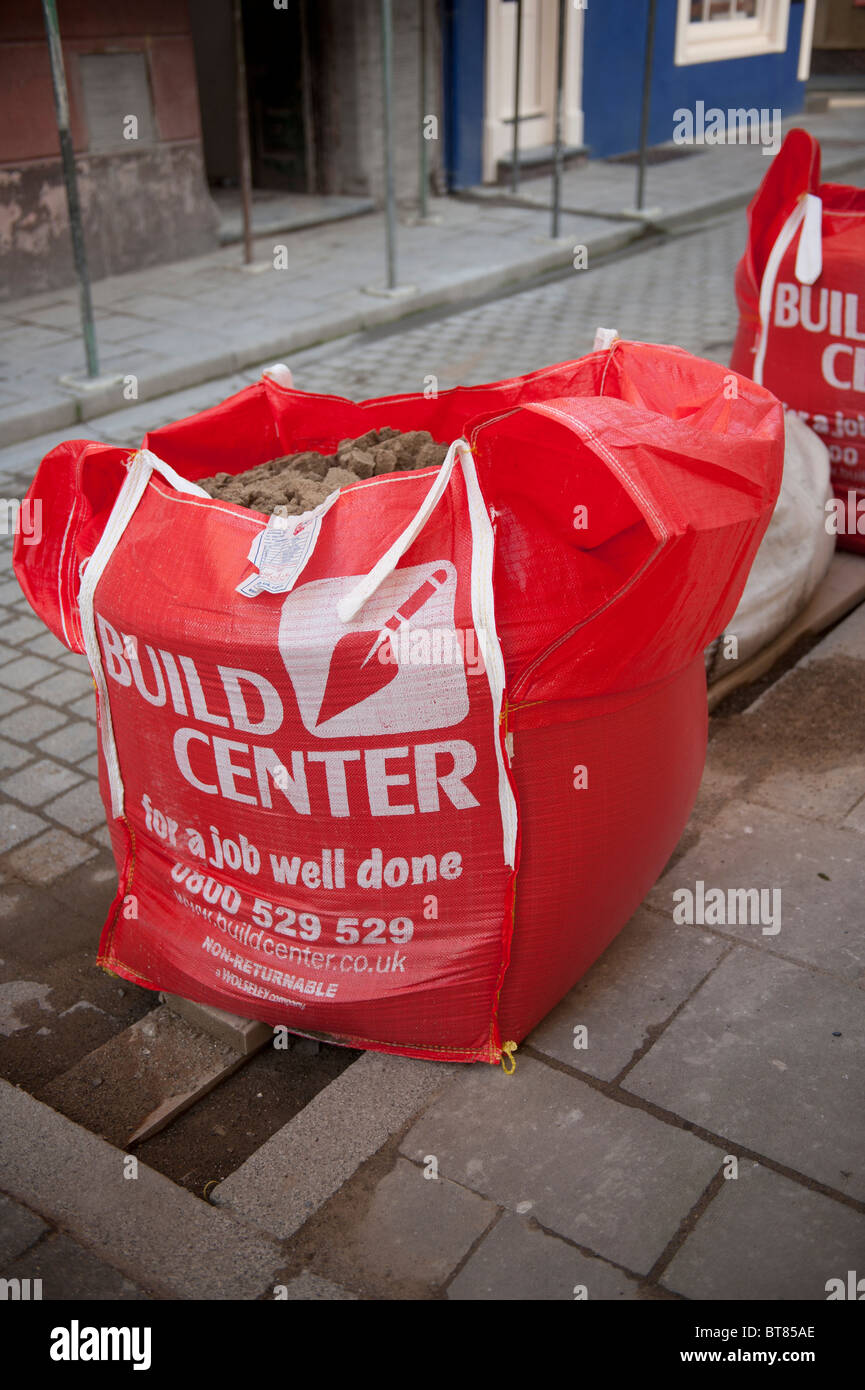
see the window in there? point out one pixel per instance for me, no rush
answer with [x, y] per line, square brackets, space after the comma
[710, 30]
[115, 87]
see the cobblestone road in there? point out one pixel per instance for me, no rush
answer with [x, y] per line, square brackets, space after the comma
[678, 291]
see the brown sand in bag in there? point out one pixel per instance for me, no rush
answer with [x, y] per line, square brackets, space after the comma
[299, 482]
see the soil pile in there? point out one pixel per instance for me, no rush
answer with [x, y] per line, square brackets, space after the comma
[298, 482]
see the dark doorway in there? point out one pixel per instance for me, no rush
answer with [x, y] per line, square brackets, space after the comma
[279, 82]
[280, 57]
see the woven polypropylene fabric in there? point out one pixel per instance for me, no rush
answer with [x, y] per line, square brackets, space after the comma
[415, 829]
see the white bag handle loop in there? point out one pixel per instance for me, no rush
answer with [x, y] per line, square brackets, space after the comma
[352, 602]
[807, 215]
[809, 256]
[141, 466]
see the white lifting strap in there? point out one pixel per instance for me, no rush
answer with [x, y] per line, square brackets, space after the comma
[141, 468]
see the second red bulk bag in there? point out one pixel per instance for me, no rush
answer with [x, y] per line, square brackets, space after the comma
[800, 287]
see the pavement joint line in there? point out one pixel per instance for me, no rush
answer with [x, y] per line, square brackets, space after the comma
[475, 1245]
[643, 1280]
[686, 1226]
[585, 1250]
[767, 950]
[748, 790]
[655, 1031]
[669, 1117]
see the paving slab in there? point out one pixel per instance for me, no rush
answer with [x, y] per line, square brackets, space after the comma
[829, 794]
[18, 999]
[765, 1237]
[309, 1159]
[68, 1272]
[520, 1262]
[11, 756]
[37, 931]
[817, 869]
[856, 818]
[156, 1234]
[639, 981]
[547, 1144]
[26, 724]
[846, 640]
[46, 644]
[39, 782]
[717, 786]
[73, 742]
[8, 702]
[26, 671]
[415, 1230]
[63, 688]
[771, 1056]
[16, 826]
[50, 856]
[311, 1288]
[84, 708]
[21, 628]
[19, 1229]
[80, 809]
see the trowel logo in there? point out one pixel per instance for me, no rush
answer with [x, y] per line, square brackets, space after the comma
[349, 678]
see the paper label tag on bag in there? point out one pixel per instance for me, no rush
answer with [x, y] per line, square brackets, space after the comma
[282, 550]
[604, 339]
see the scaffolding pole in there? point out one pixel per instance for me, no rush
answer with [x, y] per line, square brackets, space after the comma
[423, 191]
[244, 159]
[647, 99]
[387, 94]
[70, 177]
[518, 62]
[558, 149]
[308, 116]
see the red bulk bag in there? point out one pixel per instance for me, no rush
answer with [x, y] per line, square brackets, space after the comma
[403, 789]
[800, 287]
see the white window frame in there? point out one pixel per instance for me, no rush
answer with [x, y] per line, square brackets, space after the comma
[711, 42]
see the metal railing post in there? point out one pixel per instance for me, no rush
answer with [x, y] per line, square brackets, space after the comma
[518, 62]
[70, 177]
[387, 93]
[557, 152]
[647, 100]
[306, 92]
[423, 199]
[244, 159]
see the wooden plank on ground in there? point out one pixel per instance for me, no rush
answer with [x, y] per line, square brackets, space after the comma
[842, 588]
[143, 1078]
[245, 1035]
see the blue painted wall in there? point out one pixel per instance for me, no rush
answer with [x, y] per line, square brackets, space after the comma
[464, 41]
[613, 53]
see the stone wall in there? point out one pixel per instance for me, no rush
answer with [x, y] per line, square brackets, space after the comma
[351, 99]
[142, 185]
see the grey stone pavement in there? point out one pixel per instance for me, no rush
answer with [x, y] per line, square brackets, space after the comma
[170, 327]
[708, 1141]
